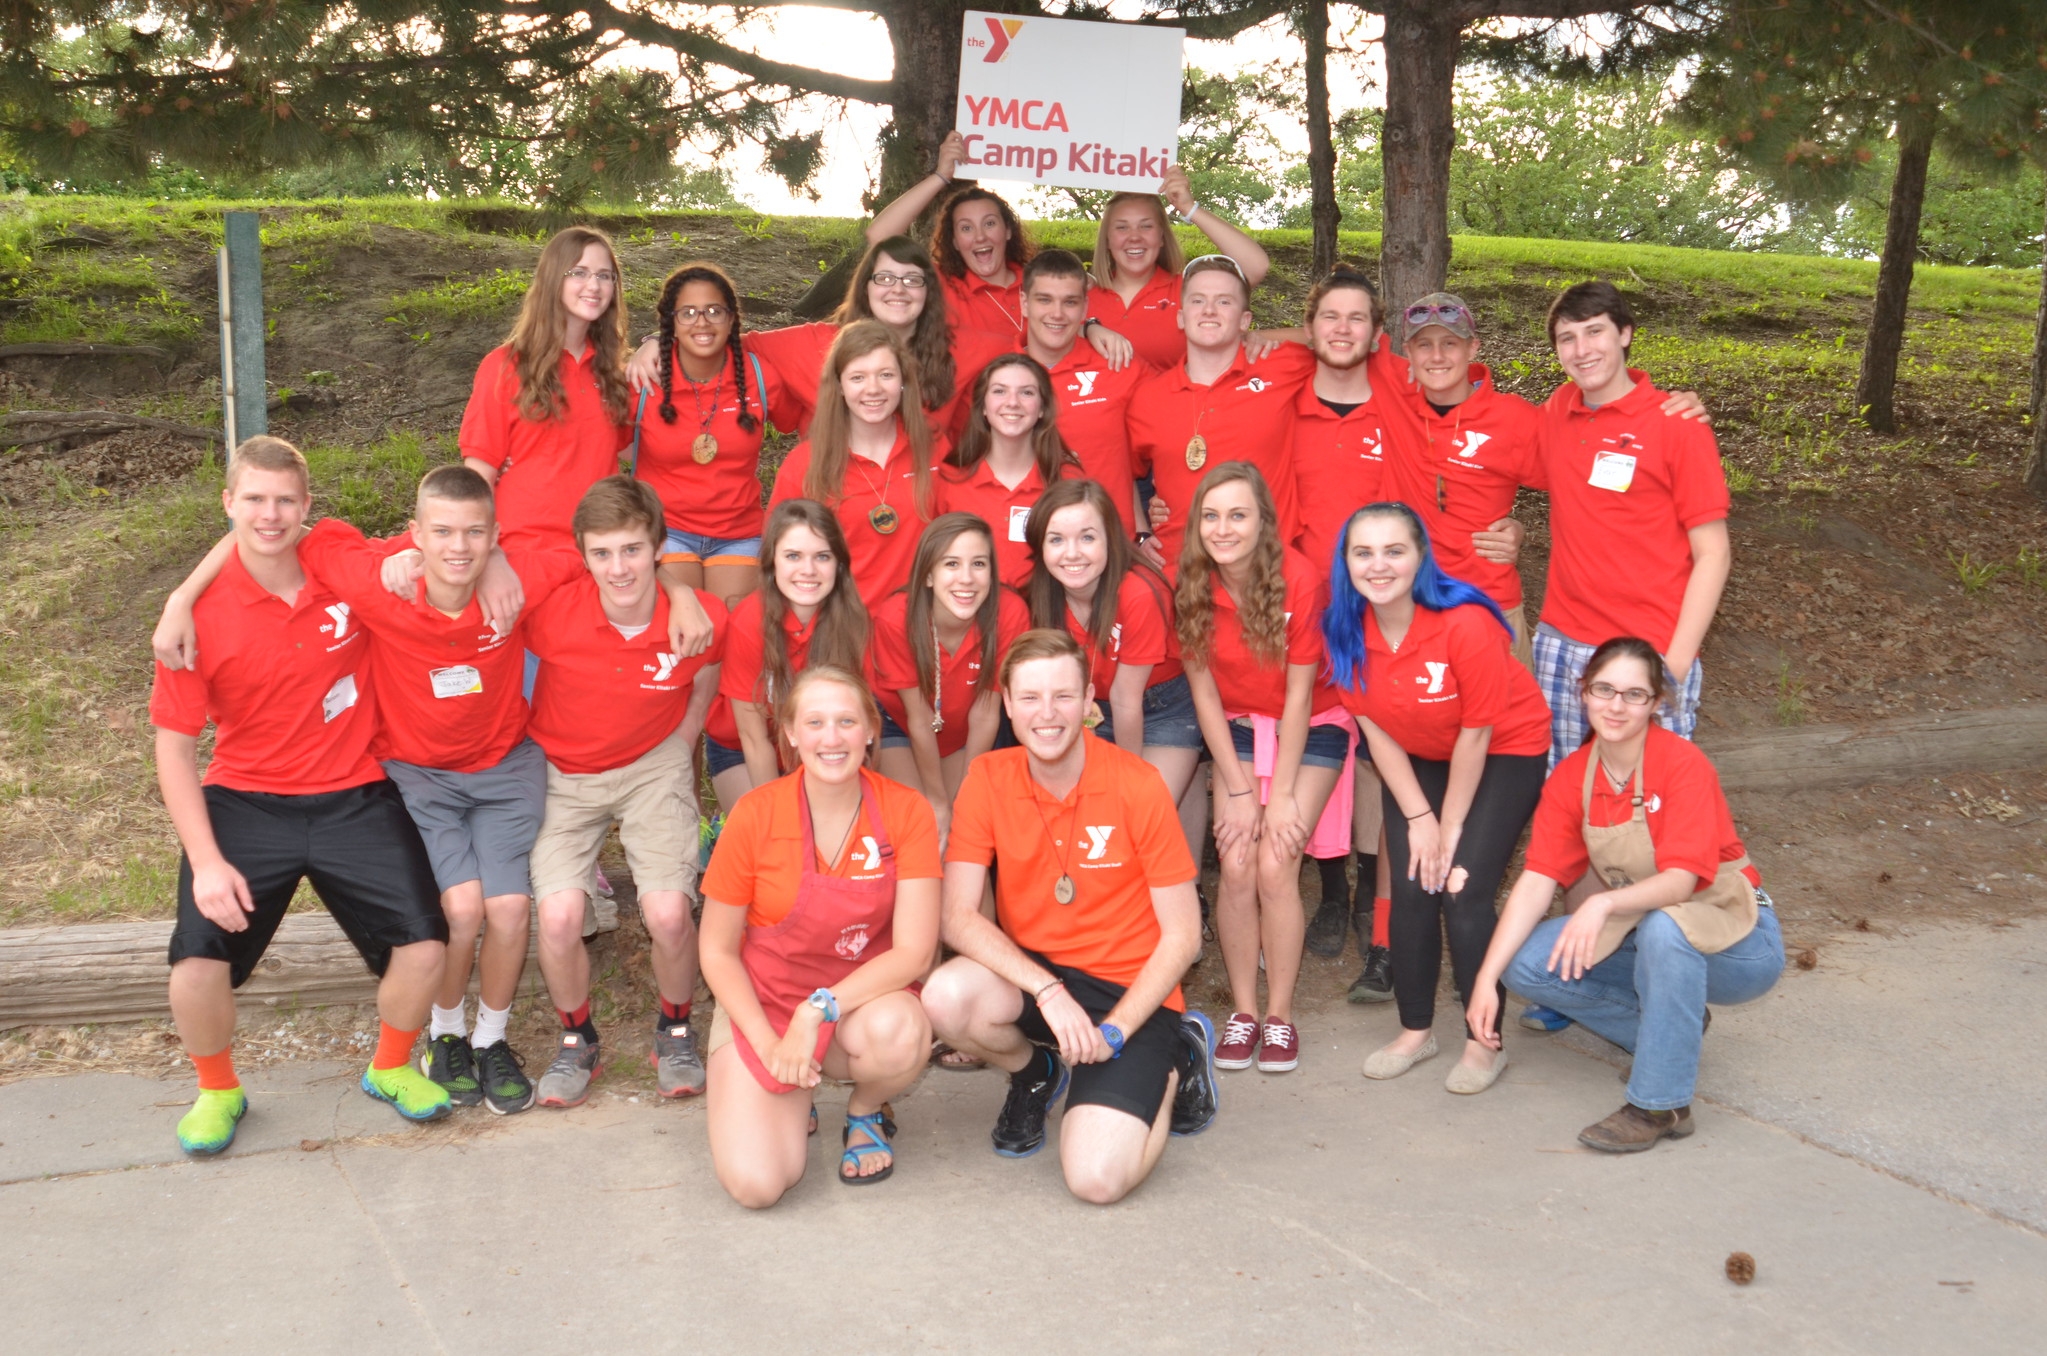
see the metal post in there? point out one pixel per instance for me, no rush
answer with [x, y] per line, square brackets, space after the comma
[244, 394]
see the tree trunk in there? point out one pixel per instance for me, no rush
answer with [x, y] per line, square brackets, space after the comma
[1421, 63]
[1323, 212]
[2036, 468]
[1876, 391]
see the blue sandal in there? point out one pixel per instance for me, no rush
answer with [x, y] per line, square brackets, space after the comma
[879, 1130]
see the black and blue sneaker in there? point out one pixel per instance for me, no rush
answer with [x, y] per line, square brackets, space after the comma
[1200, 1094]
[1020, 1130]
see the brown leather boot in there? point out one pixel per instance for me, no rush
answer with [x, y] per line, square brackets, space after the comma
[1631, 1129]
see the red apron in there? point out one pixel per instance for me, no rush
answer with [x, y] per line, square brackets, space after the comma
[835, 927]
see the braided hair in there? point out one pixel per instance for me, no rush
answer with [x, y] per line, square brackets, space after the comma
[703, 272]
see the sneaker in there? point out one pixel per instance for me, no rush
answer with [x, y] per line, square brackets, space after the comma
[1240, 1039]
[411, 1093]
[450, 1062]
[209, 1126]
[1020, 1129]
[1632, 1129]
[677, 1066]
[1330, 928]
[1279, 1048]
[567, 1080]
[502, 1079]
[1374, 983]
[1200, 1095]
[1536, 1017]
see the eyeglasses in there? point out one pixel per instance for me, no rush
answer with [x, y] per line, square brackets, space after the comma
[581, 274]
[1633, 696]
[717, 315]
[1222, 260]
[1419, 316]
[913, 281]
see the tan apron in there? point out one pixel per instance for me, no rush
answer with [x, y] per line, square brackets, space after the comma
[1713, 919]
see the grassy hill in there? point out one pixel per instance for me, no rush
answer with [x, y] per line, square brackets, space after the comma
[1873, 575]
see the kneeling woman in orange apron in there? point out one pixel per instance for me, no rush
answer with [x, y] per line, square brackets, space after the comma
[1669, 916]
[820, 909]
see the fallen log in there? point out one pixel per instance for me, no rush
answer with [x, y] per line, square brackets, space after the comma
[1930, 745]
[116, 972]
[45, 426]
[83, 351]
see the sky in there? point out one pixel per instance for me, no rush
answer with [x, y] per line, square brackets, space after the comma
[857, 45]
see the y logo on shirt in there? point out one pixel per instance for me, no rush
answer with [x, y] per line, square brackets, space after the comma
[1098, 840]
[1473, 441]
[1436, 672]
[1086, 387]
[664, 666]
[339, 612]
[872, 850]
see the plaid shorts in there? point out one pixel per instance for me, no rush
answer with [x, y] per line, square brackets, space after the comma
[1560, 663]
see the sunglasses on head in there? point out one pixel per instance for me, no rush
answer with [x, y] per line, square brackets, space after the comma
[1225, 259]
[1449, 314]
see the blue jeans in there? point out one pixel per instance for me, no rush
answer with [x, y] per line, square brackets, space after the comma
[1650, 997]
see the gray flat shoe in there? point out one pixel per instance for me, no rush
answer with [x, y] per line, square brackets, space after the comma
[1466, 1080]
[1386, 1062]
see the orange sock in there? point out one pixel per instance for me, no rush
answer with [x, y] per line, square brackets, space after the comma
[216, 1072]
[1382, 919]
[394, 1047]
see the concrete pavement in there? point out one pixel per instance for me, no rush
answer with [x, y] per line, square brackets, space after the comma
[1321, 1213]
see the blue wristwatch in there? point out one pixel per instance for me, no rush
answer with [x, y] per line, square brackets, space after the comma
[827, 1003]
[1114, 1036]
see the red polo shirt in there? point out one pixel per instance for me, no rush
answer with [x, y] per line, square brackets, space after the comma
[739, 680]
[1252, 687]
[1627, 483]
[979, 309]
[1141, 635]
[1005, 510]
[881, 560]
[543, 467]
[287, 686]
[1459, 470]
[448, 688]
[721, 497]
[797, 354]
[1339, 467]
[960, 679]
[1094, 409]
[1150, 320]
[1454, 671]
[1686, 812]
[1247, 414]
[603, 701]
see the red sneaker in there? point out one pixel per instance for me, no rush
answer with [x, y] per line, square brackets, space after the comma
[1240, 1034]
[1279, 1049]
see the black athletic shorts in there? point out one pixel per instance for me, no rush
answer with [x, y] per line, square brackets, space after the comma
[1135, 1081]
[358, 847]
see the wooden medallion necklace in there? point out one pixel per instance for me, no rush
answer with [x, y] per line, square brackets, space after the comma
[1063, 889]
[705, 448]
[882, 518]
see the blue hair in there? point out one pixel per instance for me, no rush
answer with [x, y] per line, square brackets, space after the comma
[1343, 624]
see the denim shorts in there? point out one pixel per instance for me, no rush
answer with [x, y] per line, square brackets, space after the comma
[695, 547]
[893, 736]
[1326, 747]
[1168, 716]
[722, 757]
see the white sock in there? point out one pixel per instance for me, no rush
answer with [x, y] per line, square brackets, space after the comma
[490, 1024]
[447, 1022]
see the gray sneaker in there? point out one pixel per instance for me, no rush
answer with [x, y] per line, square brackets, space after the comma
[567, 1080]
[678, 1068]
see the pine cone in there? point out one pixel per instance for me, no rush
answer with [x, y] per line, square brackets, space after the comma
[1741, 1268]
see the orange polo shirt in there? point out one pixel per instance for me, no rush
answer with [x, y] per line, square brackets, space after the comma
[880, 560]
[1117, 835]
[543, 467]
[1150, 320]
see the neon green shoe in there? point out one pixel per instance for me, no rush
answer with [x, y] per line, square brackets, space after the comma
[209, 1126]
[414, 1096]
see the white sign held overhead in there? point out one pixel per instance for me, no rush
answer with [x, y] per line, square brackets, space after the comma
[1069, 103]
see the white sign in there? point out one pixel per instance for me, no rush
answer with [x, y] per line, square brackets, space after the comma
[1059, 101]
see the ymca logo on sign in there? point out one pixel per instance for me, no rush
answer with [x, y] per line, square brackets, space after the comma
[1000, 33]
[339, 626]
[1473, 441]
[665, 666]
[1098, 840]
[1435, 678]
[1087, 384]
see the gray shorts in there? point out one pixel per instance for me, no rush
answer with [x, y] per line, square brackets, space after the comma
[478, 825]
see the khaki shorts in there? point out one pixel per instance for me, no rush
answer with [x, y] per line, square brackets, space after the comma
[653, 800]
[1524, 640]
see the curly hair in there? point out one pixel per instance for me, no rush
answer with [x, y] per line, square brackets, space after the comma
[536, 337]
[1048, 449]
[1016, 253]
[1262, 607]
[664, 310]
[930, 345]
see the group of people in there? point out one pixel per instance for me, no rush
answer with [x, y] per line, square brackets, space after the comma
[1056, 535]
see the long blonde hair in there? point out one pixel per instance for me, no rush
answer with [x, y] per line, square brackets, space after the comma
[1262, 607]
[536, 337]
[1171, 257]
[831, 430]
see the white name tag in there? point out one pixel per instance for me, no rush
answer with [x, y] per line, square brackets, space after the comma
[1612, 471]
[458, 680]
[339, 697]
[1018, 516]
